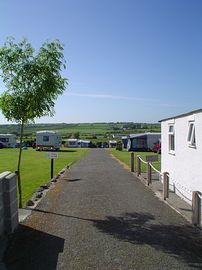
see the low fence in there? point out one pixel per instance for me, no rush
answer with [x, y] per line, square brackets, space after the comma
[8, 203]
[152, 174]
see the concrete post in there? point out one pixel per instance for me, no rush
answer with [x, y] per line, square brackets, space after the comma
[2, 219]
[149, 176]
[196, 208]
[132, 162]
[138, 166]
[1, 209]
[165, 185]
[10, 203]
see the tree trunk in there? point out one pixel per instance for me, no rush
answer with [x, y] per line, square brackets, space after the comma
[19, 163]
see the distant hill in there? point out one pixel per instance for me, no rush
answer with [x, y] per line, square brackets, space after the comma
[84, 129]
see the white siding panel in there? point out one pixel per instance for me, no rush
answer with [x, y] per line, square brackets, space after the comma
[185, 166]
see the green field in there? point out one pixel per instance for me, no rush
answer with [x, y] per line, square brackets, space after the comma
[124, 156]
[35, 169]
[85, 129]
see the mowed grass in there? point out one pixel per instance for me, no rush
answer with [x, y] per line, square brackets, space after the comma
[125, 156]
[35, 166]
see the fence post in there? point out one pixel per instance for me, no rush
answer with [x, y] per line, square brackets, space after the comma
[10, 203]
[165, 185]
[149, 180]
[196, 208]
[132, 162]
[138, 166]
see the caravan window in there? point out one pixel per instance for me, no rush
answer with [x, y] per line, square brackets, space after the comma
[191, 135]
[4, 140]
[45, 138]
[171, 139]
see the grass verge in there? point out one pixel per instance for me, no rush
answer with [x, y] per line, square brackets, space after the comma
[35, 167]
[124, 156]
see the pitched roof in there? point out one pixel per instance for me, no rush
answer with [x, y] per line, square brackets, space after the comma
[182, 115]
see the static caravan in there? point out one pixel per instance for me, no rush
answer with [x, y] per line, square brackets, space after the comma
[48, 139]
[181, 152]
[112, 144]
[9, 140]
[72, 143]
[84, 143]
[143, 141]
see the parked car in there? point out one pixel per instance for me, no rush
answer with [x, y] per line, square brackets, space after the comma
[157, 148]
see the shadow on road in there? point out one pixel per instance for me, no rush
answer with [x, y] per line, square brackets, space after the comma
[39, 250]
[184, 242]
[74, 180]
[32, 249]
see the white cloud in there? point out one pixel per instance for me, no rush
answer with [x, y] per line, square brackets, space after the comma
[155, 102]
[107, 96]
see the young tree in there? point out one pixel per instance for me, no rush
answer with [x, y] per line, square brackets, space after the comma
[76, 135]
[33, 83]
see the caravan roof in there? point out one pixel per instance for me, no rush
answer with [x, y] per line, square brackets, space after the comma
[144, 134]
[47, 132]
[7, 135]
[84, 141]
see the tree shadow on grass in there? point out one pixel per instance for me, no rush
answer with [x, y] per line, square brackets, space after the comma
[60, 150]
[65, 150]
[184, 242]
[32, 249]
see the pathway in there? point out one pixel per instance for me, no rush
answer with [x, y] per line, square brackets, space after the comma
[99, 216]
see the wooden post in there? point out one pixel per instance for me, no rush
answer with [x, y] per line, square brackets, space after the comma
[165, 185]
[149, 180]
[52, 168]
[132, 162]
[196, 208]
[138, 166]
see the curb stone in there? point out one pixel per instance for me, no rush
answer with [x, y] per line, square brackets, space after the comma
[43, 189]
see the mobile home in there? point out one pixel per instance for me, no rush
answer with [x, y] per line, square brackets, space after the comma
[48, 139]
[143, 141]
[9, 140]
[181, 152]
[84, 143]
[72, 143]
[112, 144]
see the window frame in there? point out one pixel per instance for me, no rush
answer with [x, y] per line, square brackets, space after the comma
[191, 138]
[46, 138]
[171, 139]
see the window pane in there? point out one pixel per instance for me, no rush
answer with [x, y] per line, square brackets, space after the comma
[45, 138]
[171, 128]
[190, 132]
[193, 137]
[172, 143]
[4, 139]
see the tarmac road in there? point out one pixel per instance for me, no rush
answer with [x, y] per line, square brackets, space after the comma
[99, 216]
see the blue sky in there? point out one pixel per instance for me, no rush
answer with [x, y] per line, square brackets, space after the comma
[127, 60]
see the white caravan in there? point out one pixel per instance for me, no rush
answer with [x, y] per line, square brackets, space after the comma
[9, 140]
[48, 139]
[72, 143]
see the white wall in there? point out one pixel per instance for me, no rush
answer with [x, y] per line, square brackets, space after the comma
[185, 165]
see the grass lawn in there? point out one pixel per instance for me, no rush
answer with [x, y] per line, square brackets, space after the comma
[35, 166]
[124, 156]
